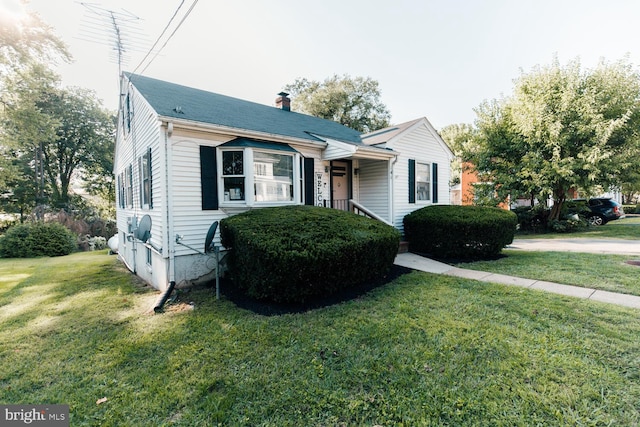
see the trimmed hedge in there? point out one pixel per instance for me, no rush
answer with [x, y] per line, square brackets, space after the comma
[297, 253]
[36, 240]
[631, 209]
[447, 231]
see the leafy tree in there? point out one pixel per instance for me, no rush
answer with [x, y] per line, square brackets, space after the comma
[353, 102]
[18, 190]
[26, 39]
[68, 127]
[49, 135]
[630, 184]
[97, 174]
[27, 47]
[84, 136]
[460, 138]
[562, 128]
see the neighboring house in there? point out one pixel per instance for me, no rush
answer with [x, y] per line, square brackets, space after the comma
[469, 184]
[185, 158]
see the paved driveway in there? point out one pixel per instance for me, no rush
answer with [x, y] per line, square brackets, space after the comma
[597, 246]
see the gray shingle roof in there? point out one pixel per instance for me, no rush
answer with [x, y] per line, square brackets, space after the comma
[182, 102]
[382, 136]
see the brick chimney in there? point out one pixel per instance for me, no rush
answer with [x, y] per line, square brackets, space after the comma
[283, 101]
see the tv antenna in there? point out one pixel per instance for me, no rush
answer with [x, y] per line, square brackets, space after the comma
[118, 30]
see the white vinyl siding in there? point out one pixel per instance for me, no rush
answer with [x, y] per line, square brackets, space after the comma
[419, 144]
[189, 220]
[142, 137]
[373, 188]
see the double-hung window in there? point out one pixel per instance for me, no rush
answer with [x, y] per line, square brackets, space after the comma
[272, 177]
[145, 180]
[128, 183]
[233, 178]
[423, 181]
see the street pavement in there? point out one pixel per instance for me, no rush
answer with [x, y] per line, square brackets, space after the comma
[607, 246]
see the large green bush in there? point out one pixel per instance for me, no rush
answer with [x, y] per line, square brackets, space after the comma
[446, 231]
[297, 253]
[36, 240]
[631, 209]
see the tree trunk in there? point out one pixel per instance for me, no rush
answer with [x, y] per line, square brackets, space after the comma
[559, 196]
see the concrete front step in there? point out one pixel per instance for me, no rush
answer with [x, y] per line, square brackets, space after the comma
[403, 248]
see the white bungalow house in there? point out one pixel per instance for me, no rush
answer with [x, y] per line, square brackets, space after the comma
[185, 158]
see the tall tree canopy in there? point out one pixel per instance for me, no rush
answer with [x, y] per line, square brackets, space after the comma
[353, 102]
[65, 130]
[562, 128]
[25, 38]
[48, 134]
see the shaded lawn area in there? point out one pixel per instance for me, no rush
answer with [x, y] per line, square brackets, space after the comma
[420, 350]
[598, 271]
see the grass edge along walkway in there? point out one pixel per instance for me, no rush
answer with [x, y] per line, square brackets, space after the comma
[417, 262]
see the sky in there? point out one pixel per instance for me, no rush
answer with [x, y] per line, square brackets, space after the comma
[435, 59]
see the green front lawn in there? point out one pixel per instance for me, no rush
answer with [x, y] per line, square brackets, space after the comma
[598, 271]
[422, 350]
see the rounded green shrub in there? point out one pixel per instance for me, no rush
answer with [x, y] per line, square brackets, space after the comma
[297, 253]
[447, 231]
[36, 240]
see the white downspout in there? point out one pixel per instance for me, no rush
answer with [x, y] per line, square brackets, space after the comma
[170, 241]
[392, 163]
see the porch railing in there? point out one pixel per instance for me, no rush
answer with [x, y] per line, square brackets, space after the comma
[355, 207]
[339, 204]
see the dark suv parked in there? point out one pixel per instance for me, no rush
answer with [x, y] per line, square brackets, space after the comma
[603, 210]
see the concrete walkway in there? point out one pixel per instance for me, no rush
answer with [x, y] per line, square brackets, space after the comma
[594, 246]
[417, 262]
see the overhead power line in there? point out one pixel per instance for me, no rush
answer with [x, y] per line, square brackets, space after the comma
[160, 36]
[188, 12]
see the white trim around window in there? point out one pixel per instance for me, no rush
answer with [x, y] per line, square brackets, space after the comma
[251, 176]
[423, 182]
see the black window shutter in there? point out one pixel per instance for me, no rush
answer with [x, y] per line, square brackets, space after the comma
[119, 184]
[150, 180]
[434, 179]
[308, 181]
[208, 178]
[141, 179]
[412, 181]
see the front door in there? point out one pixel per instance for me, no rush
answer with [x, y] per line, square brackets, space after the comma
[340, 185]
